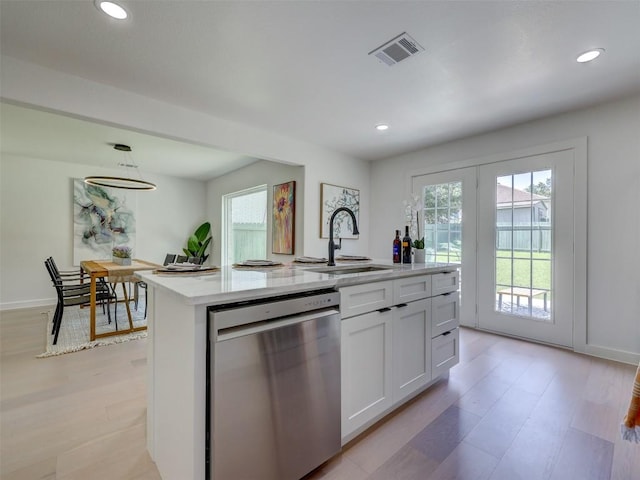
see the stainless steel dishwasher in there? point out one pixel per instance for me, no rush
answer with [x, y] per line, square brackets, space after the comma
[274, 387]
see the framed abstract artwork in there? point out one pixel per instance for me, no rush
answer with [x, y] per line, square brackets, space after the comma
[103, 218]
[333, 197]
[283, 220]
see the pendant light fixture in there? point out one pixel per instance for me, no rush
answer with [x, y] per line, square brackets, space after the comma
[126, 183]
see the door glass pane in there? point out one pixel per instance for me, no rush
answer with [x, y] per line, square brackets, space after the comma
[523, 244]
[443, 222]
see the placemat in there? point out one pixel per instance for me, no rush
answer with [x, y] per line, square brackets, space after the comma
[187, 273]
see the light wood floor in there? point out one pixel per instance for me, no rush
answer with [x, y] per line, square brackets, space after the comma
[510, 410]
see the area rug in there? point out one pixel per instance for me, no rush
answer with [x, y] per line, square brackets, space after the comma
[74, 331]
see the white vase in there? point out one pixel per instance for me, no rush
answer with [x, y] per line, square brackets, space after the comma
[419, 255]
[122, 261]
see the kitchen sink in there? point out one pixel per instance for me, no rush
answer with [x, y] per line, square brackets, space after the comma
[347, 269]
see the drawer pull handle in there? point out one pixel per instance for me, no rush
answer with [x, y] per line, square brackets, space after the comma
[385, 309]
[446, 333]
[400, 305]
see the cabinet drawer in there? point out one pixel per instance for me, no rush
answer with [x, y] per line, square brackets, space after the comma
[411, 288]
[365, 298]
[445, 352]
[445, 313]
[444, 282]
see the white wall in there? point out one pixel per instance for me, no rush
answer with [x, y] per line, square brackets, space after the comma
[36, 221]
[259, 173]
[26, 83]
[44, 88]
[613, 197]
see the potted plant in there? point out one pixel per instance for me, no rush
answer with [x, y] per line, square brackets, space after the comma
[121, 255]
[418, 245]
[198, 242]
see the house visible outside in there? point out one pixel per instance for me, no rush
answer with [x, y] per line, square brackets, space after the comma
[523, 220]
[528, 207]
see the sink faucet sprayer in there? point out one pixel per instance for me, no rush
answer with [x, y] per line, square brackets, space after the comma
[332, 245]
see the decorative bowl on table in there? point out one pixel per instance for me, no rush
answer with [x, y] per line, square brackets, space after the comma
[122, 260]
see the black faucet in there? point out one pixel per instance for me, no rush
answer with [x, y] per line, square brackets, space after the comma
[332, 245]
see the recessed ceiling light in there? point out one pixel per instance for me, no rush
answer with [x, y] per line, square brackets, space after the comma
[112, 9]
[590, 55]
[382, 127]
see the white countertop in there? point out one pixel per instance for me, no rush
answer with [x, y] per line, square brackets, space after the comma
[231, 285]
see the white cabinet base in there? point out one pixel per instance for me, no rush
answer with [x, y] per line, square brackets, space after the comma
[366, 368]
[398, 338]
[411, 331]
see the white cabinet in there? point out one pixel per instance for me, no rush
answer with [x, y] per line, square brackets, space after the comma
[445, 313]
[365, 298]
[411, 354]
[445, 352]
[444, 282]
[397, 336]
[411, 288]
[445, 319]
[366, 368]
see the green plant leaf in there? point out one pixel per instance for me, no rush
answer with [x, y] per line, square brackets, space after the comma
[418, 243]
[187, 252]
[203, 247]
[202, 231]
[193, 245]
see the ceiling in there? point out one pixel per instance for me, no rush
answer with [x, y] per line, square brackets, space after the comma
[67, 139]
[302, 69]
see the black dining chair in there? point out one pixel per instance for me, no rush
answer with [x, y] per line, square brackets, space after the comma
[169, 258]
[70, 293]
[79, 275]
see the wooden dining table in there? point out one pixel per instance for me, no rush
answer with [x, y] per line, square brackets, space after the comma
[117, 274]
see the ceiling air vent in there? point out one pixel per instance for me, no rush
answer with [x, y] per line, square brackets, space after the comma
[397, 49]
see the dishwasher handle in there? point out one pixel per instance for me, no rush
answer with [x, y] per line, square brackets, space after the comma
[228, 333]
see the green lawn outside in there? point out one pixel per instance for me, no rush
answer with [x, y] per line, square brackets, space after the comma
[523, 262]
[529, 269]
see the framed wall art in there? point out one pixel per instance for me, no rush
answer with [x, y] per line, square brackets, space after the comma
[333, 197]
[283, 224]
[103, 218]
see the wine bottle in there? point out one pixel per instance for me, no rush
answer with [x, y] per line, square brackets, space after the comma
[397, 248]
[406, 247]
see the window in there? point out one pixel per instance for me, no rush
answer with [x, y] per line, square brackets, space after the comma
[244, 227]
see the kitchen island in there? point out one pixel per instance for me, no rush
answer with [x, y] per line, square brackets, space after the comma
[177, 343]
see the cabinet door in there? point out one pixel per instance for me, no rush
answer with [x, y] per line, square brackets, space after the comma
[410, 289]
[445, 352]
[411, 348]
[445, 313]
[365, 298]
[366, 368]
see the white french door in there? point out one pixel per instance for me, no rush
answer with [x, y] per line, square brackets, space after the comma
[449, 225]
[525, 247]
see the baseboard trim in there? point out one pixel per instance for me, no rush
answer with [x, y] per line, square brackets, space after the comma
[613, 354]
[43, 302]
[594, 350]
